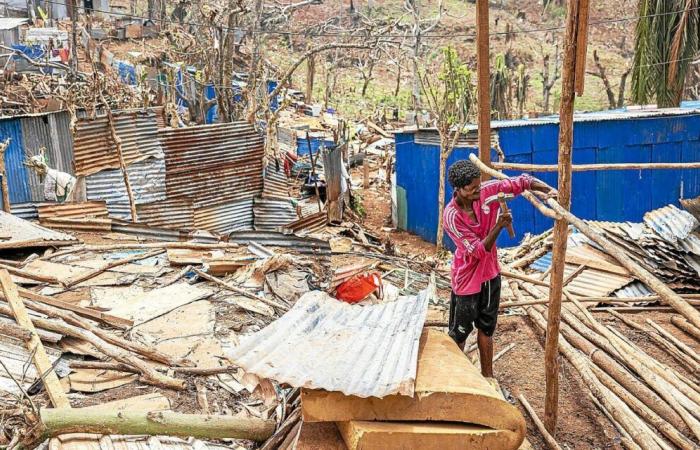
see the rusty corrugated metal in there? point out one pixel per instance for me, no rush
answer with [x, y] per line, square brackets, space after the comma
[145, 231]
[95, 151]
[272, 213]
[147, 180]
[323, 343]
[213, 164]
[309, 224]
[275, 183]
[26, 211]
[175, 213]
[304, 245]
[225, 218]
[72, 210]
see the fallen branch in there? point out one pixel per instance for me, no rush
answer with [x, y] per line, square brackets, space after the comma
[239, 291]
[548, 438]
[198, 371]
[54, 422]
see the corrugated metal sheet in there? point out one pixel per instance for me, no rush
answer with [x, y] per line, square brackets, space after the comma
[323, 343]
[17, 176]
[272, 213]
[175, 213]
[213, 164]
[159, 234]
[468, 139]
[275, 182]
[692, 206]
[147, 183]
[19, 363]
[304, 245]
[26, 211]
[52, 132]
[671, 223]
[72, 210]
[27, 234]
[309, 224]
[634, 289]
[287, 138]
[95, 150]
[225, 218]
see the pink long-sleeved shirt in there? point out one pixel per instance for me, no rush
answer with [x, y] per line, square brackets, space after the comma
[472, 263]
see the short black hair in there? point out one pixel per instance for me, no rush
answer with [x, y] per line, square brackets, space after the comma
[462, 173]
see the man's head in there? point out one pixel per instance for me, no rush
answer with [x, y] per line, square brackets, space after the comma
[465, 179]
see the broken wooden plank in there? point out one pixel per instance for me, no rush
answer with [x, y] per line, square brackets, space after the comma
[31, 275]
[34, 345]
[93, 273]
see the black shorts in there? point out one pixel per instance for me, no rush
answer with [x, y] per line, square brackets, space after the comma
[478, 310]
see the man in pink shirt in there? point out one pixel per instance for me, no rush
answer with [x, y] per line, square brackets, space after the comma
[474, 228]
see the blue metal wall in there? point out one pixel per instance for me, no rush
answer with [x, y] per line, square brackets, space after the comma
[621, 195]
[17, 179]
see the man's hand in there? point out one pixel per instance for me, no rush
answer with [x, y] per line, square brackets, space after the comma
[504, 220]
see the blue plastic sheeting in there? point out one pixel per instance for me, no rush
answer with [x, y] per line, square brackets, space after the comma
[621, 195]
[32, 51]
[127, 72]
[271, 86]
[316, 143]
[17, 179]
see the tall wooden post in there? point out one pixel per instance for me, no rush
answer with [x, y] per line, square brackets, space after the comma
[3, 174]
[561, 226]
[482, 68]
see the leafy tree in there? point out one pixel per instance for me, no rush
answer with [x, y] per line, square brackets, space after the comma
[450, 97]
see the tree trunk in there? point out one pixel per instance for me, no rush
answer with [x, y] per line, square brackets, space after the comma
[444, 154]
[55, 422]
[310, 75]
[398, 81]
[416, 71]
[621, 90]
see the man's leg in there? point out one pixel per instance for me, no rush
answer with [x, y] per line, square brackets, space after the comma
[462, 312]
[485, 344]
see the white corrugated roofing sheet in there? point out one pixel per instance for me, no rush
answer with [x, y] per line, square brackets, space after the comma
[19, 233]
[323, 343]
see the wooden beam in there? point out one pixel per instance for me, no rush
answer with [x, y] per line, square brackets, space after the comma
[594, 167]
[93, 273]
[3, 175]
[548, 438]
[34, 345]
[561, 227]
[581, 45]
[483, 82]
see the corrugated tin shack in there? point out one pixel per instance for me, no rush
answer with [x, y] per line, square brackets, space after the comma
[644, 136]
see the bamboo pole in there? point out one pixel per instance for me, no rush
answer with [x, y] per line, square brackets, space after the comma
[595, 167]
[667, 295]
[686, 326]
[483, 82]
[34, 345]
[560, 234]
[55, 422]
[548, 438]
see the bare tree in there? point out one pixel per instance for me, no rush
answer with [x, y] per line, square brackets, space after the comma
[366, 68]
[550, 74]
[522, 84]
[421, 26]
[601, 73]
[450, 98]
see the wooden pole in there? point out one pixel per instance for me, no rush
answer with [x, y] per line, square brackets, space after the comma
[581, 45]
[686, 326]
[34, 346]
[594, 167]
[122, 164]
[548, 438]
[5, 188]
[483, 83]
[93, 273]
[561, 227]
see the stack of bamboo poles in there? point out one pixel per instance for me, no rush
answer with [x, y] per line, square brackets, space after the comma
[652, 405]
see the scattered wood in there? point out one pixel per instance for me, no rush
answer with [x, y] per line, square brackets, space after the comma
[504, 351]
[686, 326]
[681, 346]
[240, 291]
[16, 332]
[93, 314]
[31, 275]
[378, 129]
[93, 273]
[34, 345]
[548, 438]
[55, 422]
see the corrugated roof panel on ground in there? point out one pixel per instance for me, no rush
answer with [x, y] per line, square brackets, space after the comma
[309, 224]
[72, 210]
[23, 233]
[213, 164]
[225, 218]
[671, 223]
[147, 180]
[95, 150]
[304, 245]
[175, 213]
[272, 213]
[323, 343]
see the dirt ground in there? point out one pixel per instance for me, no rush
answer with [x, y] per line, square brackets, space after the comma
[521, 370]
